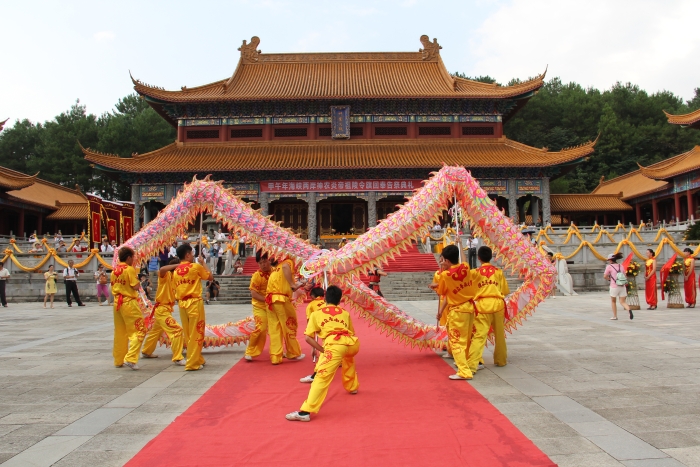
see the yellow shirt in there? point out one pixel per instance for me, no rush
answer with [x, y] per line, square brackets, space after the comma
[187, 280]
[315, 305]
[258, 283]
[125, 281]
[458, 287]
[492, 288]
[165, 295]
[278, 285]
[333, 324]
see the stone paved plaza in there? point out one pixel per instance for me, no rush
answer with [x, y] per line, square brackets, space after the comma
[588, 391]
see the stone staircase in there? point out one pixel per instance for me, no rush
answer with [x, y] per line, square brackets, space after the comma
[233, 289]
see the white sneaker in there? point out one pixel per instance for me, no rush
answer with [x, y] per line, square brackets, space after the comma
[353, 392]
[447, 355]
[300, 357]
[105, 302]
[307, 379]
[295, 417]
[248, 358]
[133, 366]
[145, 355]
[457, 377]
[481, 366]
[180, 362]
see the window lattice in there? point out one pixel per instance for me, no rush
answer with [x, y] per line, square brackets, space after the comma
[287, 132]
[324, 132]
[356, 131]
[247, 133]
[391, 131]
[477, 130]
[202, 134]
[434, 131]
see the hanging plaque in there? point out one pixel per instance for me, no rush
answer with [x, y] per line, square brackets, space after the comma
[340, 121]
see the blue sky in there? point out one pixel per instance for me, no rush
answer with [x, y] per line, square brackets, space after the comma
[56, 52]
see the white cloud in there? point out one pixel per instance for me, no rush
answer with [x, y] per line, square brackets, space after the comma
[652, 44]
[104, 36]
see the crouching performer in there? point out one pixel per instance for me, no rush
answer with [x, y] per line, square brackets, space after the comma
[340, 345]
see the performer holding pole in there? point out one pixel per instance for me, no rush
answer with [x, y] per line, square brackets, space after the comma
[162, 315]
[340, 345]
[187, 280]
[258, 290]
[129, 327]
[281, 315]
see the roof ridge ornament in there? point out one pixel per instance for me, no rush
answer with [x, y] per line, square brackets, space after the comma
[430, 50]
[249, 52]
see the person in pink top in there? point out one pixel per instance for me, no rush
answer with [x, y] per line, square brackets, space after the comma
[616, 291]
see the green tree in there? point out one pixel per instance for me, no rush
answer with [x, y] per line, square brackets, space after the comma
[18, 145]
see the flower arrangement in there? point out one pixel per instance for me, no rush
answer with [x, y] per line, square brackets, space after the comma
[676, 268]
[670, 286]
[633, 269]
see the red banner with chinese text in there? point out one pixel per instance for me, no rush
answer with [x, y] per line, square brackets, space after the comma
[95, 227]
[302, 186]
[128, 228]
[112, 230]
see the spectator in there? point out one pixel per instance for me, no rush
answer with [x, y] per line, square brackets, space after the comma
[37, 248]
[212, 290]
[33, 238]
[238, 267]
[50, 286]
[4, 275]
[173, 250]
[102, 287]
[472, 245]
[113, 244]
[106, 248]
[213, 256]
[220, 235]
[241, 246]
[437, 226]
[62, 247]
[164, 257]
[70, 276]
[145, 285]
[57, 239]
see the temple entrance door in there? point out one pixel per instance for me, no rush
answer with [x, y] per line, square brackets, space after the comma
[342, 216]
[292, 213]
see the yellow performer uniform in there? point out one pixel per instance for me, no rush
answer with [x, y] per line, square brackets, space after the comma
[315, 305]
[457, 286]
[129, 327]
[490, 306]
[281, 315]
[256, 344]
[187, 280]
[340, 345]
[163, 319]
[443, 317]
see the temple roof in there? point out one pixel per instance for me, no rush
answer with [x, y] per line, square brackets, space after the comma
[47, 194]
[388, 75]
[70, 211]
[691, 119]
[13, 180]
[339, 154]
[587, 203]
[677, 165]
[631, 185]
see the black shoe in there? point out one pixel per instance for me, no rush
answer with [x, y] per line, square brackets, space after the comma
[631, 315]
[82, 304]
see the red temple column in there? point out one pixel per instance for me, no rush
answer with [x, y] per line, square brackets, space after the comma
[605, 219]
[654, 211]
[622, 218]
[638, 212]
[180, 134]
[677, 206]
[691, 208]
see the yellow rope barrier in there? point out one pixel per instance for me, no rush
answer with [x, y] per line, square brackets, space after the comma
[94, 253]
[596, 227]
[620, 226]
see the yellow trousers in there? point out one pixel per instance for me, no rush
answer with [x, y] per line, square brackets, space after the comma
[282, 327]
[256, 344]
[482, 323]
[163, 321]
[129, 332]
[459, 325]
[443, 322]
[333, 356]
[193, 322]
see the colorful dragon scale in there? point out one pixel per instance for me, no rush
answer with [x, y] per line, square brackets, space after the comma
[374, 248]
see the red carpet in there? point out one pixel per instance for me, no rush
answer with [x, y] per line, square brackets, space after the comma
[412, 261]
[249, 266]
[406, 413]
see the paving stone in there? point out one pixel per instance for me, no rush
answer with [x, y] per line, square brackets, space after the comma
[599, 459]
[569, 445]
[47, 451]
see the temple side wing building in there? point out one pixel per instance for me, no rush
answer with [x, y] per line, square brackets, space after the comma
[330, 143]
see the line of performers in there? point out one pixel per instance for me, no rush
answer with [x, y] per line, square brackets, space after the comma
[689, 279]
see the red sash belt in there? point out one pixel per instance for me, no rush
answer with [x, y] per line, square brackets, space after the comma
[190, 297]
[337, 334]
[268, 298]
[122, 299]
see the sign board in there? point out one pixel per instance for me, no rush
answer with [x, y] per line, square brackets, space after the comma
[496, 187]
[338, 186]
[525, 187]
[340, 121]
[152, 192]
[243, 189]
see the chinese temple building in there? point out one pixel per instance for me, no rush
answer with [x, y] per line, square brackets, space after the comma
[666, 190]
[330, 143]
[29, 204]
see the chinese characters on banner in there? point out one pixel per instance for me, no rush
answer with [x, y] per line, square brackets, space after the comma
[330, 186]
[96, 229]
[128, 228]
[340, 121]
[112, 230]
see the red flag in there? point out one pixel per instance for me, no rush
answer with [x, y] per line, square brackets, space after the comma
[112, 229]
[665, 271]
